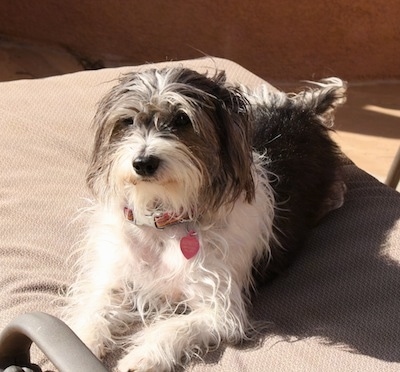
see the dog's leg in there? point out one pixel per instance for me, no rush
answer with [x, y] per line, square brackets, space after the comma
[173, 341]
[88, 312]
[167, 342]
[91, 301]
[90, 321]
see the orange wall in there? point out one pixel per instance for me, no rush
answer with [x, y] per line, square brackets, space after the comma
[278, 40]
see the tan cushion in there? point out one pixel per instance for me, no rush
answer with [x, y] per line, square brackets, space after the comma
[336, 309]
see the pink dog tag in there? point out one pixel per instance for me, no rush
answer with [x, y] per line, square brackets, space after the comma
[190, 245]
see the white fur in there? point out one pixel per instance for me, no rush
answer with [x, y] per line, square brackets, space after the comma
[149, 269]
[136, 276]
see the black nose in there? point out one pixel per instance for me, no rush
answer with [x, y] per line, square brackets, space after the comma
[146, 165]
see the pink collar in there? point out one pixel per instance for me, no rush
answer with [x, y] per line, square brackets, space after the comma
[189, 244]
[158, 220]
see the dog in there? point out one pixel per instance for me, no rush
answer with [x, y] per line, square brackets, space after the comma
[201, 190]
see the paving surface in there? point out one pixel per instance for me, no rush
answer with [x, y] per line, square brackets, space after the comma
[368, 126]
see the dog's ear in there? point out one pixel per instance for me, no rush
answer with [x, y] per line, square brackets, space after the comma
[324, 99]
[97, 173]
[223, 122]
[234, 130]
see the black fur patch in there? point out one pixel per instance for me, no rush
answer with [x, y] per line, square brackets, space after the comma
[305, 164]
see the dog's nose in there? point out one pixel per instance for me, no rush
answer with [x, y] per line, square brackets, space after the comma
[146, 165]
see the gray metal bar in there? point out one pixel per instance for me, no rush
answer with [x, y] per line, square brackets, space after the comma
[56, 340]
[393, 176]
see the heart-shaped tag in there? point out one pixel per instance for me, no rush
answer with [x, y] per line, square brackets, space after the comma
[190, 245]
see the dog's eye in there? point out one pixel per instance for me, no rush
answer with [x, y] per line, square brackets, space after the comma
[126, 121]
[180, 120]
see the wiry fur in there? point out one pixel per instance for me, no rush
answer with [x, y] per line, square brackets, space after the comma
[292, 130]
[223, 163]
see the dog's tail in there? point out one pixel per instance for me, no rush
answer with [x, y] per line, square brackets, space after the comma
[324, 99]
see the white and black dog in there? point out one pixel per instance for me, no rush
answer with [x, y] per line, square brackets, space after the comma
[201, 189]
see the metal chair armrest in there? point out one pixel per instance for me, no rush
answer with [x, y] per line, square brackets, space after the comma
[53, 337]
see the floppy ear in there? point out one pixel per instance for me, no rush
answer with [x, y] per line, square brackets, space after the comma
[224, 123]
[235, 132]
[323, 100]
[97, 173]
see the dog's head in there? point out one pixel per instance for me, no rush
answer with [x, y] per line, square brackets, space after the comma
[172, 140]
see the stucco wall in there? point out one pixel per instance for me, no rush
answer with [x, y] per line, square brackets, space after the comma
[278, 40]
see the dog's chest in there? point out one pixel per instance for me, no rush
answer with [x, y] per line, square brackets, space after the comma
[159, 252]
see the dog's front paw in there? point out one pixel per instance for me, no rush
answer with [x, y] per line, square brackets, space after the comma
[141, 360]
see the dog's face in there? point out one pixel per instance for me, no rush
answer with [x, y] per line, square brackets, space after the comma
[172, 140]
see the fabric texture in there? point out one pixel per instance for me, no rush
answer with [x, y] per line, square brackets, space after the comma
[337, 308]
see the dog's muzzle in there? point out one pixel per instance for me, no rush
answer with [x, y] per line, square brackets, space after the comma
[146, 165]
